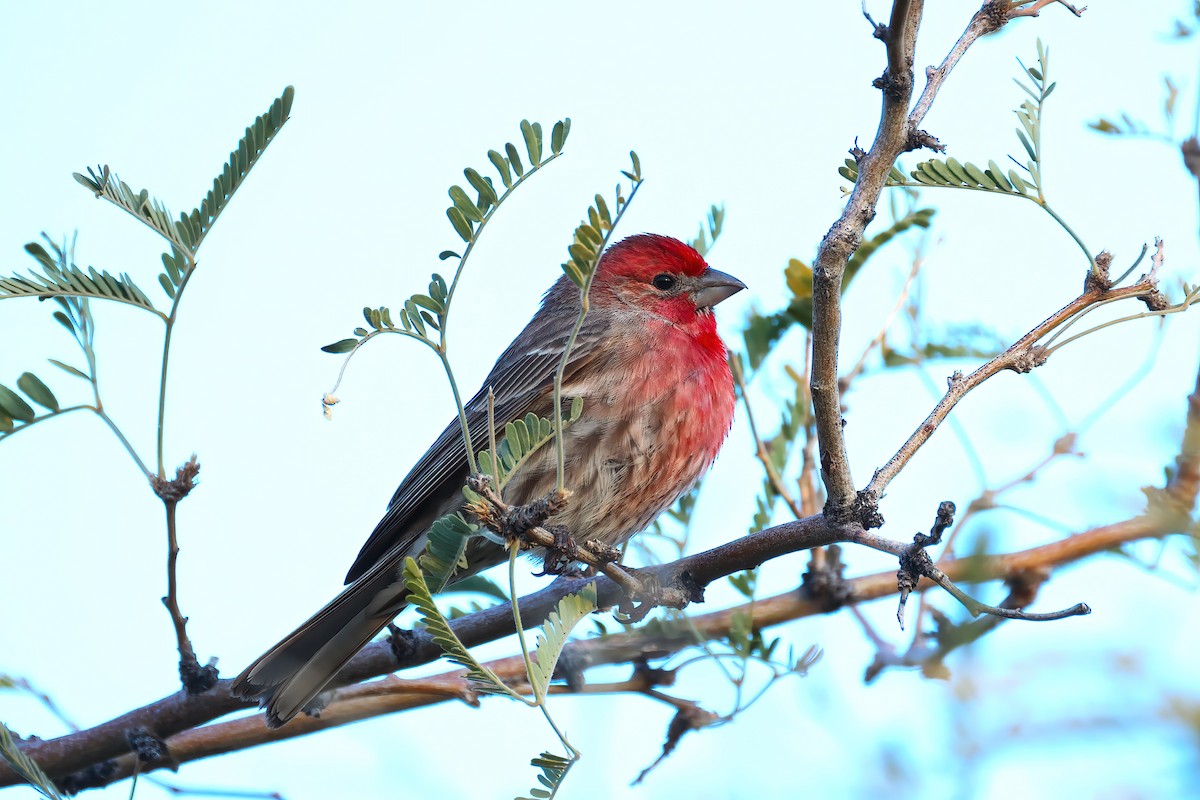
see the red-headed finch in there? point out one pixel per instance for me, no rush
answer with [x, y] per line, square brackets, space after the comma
[657, 404]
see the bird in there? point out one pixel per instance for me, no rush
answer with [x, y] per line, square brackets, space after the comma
[658, 403]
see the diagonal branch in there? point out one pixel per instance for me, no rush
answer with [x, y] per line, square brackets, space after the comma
[1022, 356]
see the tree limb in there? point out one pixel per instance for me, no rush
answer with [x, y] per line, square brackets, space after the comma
[394, 694]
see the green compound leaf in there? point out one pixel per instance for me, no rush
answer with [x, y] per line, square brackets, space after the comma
[188, 232]
[553, 636]
[61, 278]
[25, 766]
[481, 678]
[443, 555]
[553, 772]
[522, 438]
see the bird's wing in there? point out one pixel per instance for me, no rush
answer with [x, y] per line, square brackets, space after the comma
[522, 381]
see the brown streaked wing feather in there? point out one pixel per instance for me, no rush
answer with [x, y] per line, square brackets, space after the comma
[521, 380]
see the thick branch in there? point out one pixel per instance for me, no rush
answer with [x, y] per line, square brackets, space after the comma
[896, 133]
[393, 694]
[180, 712]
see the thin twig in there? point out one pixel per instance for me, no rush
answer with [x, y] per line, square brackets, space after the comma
[1022, 356]
[1034, 9]
[877, 340]
[760, 449]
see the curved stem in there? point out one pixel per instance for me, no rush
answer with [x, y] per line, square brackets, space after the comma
[559, 445]
[43, 418]
[462, 412]
[560, 481]
[367, 338]
[121, 436]
[514, 548]
[1070, 232]
[462, 261]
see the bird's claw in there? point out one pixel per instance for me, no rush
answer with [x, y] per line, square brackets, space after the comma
[649, 598]
[562, 555]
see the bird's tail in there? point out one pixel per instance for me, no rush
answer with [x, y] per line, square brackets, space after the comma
[288, 676]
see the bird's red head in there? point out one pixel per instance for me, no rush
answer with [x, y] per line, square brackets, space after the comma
[663, 277]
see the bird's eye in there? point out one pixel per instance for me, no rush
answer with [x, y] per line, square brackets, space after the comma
[663, 282]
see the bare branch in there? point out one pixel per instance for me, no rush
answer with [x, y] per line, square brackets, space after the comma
[1035, 8]
[842, 240]
[1021, 357]
[393, 694]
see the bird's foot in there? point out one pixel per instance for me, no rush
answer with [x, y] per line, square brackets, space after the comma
[648, 598]
[563, 554]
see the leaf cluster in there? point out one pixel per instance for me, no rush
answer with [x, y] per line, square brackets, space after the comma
[468, 215]
[553, 772]
[521, 440]
[592, 235]
[60, 277]
[951, 173]
[188, 232]
[481, 678]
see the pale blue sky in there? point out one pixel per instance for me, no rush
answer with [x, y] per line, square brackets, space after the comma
[752, 106]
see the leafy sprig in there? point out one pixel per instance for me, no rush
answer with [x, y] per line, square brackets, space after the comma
[482, 679]
[188, 232]
[424, 312]
[60, 277]
[591, 238]
[1027, 181]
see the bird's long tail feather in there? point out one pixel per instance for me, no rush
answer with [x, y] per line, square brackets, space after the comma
[289, 675]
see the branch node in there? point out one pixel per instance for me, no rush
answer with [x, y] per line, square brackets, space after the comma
[195, 678]
[149, 748]
[918, 139]
[915, 562]
[402, 643]
[825, 582]
[1029, 359]
[96, 776]
[1098, 279]
[1191, 156]
[174, 490]
[866, 509]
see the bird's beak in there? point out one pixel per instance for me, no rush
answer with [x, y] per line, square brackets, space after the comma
[714, 286]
